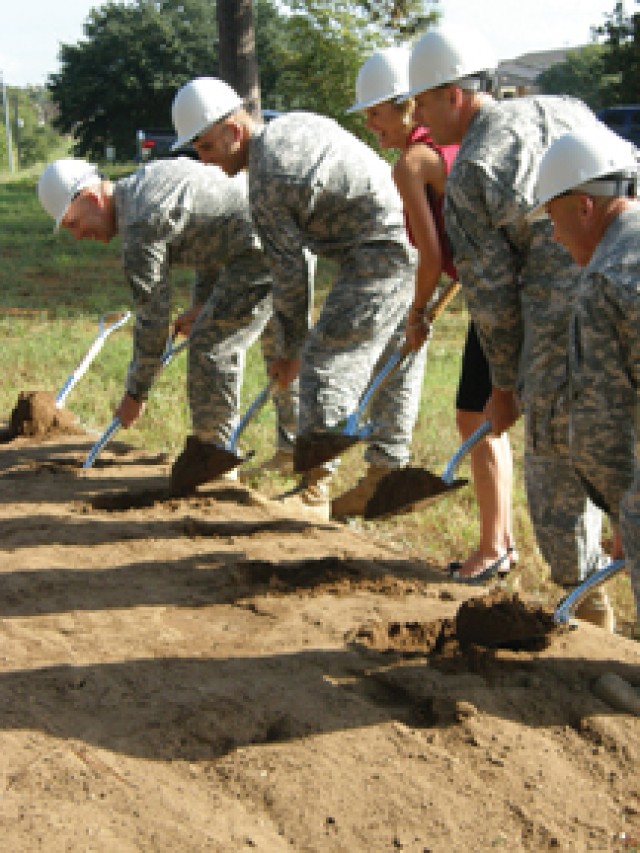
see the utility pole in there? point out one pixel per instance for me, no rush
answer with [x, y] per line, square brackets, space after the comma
[18, 123]
[7, 123]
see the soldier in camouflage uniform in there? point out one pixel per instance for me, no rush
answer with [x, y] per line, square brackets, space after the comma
[519, 284]
[311, 183]
[179, 212]
[587, 185]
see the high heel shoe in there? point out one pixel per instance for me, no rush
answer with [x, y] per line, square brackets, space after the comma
[496, 568]
[512, 553]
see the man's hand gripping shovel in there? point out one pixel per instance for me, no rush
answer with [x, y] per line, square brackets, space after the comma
[319, 447]
[171, 351]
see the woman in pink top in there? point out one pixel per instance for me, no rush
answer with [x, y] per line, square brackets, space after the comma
[420, 174]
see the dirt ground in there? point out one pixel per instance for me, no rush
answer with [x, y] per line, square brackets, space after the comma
[214, 673]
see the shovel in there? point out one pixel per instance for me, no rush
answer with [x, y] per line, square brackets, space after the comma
[92, 352]
[219, 459]
[169, 354]
[563, 612]
[407, 489]
[317, 447]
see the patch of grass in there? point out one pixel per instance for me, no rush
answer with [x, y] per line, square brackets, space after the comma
[52, 293]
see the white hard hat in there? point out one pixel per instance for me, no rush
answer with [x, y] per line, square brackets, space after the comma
[61, 181]
[384, 76]
[596, 161]
[448, 56]
[200, 103]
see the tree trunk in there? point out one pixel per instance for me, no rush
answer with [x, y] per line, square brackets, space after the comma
[237, 50]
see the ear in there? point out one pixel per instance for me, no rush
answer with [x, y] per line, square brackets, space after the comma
[585, 206]
[456, 96]
[93, 195]
[234, 129]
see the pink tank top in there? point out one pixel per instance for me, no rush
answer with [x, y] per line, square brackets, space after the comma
[447, 153]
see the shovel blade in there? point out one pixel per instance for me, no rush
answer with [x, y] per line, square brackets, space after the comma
[316, 448]
[199, 464]
[406, 490]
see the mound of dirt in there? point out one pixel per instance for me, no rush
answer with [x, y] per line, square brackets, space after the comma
[497, 620]
[502, 620]
[35, 415]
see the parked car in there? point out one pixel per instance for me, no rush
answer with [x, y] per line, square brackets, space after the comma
[623, 120]
[155, 144]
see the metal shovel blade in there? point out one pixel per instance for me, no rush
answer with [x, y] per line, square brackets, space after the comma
[199, 463]
[405, 490]
[169, 354]
[316, 448]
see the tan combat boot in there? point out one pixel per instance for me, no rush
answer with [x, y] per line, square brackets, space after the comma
[198, 463]
[355, 500]
[596, 608]
[313, 497]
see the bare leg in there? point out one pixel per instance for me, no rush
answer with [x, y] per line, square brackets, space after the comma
[492, 473]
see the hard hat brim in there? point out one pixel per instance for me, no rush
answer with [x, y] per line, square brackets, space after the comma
[411, 93]
[365, 105]
[185, 140]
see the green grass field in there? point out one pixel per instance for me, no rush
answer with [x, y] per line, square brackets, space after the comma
[52, 293]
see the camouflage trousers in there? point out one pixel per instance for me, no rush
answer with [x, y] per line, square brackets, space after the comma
[361, 325]
[236, 313]
[567, 524]
[630, 531]
[602, 445]
[605, 454]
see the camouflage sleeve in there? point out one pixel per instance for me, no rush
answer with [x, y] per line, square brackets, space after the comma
[630, 341]
[146, 267]
[483, 224]
[292, 273]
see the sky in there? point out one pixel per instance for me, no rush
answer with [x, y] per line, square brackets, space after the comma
[31, 31]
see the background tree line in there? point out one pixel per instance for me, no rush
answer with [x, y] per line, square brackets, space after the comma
[134, 56]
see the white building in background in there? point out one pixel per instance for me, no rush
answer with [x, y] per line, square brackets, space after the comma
[517, 76]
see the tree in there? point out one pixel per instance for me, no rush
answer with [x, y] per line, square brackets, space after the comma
[125, 74]
[237, 50]
[326, 42]
[622, 58]
[399, 18]
[582, 75]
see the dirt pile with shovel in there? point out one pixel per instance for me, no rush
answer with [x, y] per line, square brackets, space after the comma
[218, 673]
[498, 620]
[35, 415]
